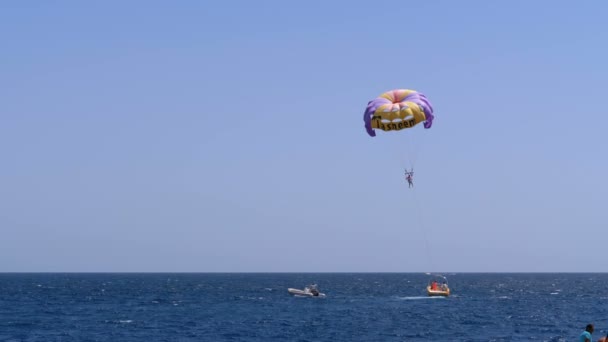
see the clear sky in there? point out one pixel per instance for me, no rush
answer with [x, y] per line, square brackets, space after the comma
[228, 136]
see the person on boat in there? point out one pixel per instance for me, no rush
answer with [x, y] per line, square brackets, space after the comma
[586, 335]
[444, 286]
[314, 290]
[434, 285]
[409, 176]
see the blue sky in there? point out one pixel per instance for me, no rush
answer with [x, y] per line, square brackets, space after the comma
[228, 136]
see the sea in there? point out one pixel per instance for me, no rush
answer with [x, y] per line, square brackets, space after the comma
[124, 307]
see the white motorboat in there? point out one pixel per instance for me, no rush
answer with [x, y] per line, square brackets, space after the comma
[309, 291]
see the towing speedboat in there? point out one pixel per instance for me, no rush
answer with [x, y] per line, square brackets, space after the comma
[438, 286]
[309, 291]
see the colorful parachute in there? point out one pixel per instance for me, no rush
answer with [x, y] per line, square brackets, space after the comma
[396, 110]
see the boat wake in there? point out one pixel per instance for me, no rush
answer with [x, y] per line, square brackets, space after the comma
[420, 297]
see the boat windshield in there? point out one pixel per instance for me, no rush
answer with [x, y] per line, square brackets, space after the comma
[438, 280]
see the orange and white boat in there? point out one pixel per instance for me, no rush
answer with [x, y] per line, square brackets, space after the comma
[438, 286]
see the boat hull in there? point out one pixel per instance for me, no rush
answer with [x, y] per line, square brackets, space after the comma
[298, 292]
[439, 293]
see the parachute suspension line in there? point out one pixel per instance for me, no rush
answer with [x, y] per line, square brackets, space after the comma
[411, 150]
[402, 148]
[405, 152]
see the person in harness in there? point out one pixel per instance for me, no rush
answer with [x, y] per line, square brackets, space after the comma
[409, 176]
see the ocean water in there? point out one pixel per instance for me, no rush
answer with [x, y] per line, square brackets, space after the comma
[257, 307]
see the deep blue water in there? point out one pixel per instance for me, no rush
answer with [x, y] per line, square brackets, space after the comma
[257, 307]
